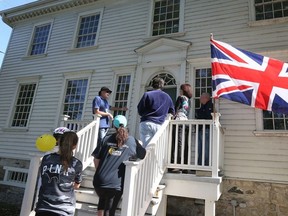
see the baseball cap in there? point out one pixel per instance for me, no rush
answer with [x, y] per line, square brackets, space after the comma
[105, 89]
[119, 120]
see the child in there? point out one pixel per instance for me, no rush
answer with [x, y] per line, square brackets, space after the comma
[60, 173]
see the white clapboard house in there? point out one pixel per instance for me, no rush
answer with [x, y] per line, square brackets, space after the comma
[61, 52]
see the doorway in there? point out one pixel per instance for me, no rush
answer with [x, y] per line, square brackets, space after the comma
[170, 86]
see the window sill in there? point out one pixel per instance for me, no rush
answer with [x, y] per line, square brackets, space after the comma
[268, 22]
[270, 133]
[82, 49]
[14, 129]
[179, 34]
[34, 56]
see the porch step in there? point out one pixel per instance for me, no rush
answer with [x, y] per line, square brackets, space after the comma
[86, 195]
[84, 209]
[87, 201]
[88, 174]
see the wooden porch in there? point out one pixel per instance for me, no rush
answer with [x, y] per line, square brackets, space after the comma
[144, 178]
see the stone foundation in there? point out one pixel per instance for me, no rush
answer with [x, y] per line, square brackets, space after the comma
[253, 199]
[250, 198]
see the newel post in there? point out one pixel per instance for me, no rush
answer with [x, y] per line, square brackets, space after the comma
[216, 143]
[30, 187]
[96, 118]
[63, 119]
[129, 188]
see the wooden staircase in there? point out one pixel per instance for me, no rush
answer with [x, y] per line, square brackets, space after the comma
[87, 198]
[143, 177]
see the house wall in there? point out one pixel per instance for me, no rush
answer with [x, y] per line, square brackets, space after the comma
[123, 29]
[245, 155]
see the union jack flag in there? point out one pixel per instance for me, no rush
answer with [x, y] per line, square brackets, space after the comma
[249, 78]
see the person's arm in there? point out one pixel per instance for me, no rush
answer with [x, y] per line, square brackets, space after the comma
[178, 104]
[140, 151]
[142, 105]
[96, 108]
[171, 108]
[96, 163]
[78, 176]
[76, 185]
[98, 112]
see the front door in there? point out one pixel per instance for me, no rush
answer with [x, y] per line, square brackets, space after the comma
[170, 86]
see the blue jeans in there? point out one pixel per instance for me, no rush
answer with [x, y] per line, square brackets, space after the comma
[101, 134]
[206, 146]
[147, 130]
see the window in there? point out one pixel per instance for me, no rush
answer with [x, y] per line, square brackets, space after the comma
[40, 39]
[167, 17]
[122, 92]
[270, 9]
[23, 105]
[169, 80]
[203, 83]
[88, 30]
[74, 98]
[274, 121]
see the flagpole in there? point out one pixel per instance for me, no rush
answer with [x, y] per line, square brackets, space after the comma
[214, 101]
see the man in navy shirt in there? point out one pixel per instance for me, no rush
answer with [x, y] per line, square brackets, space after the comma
[101, 107]
[153, 109]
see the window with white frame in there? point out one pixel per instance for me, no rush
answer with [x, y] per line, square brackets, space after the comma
[40, 39]
[23, 106]
[88, 30]
[274, 121]
[75, 95]
[270, 9]
[122, 93]
[203, 83]
[167, 17]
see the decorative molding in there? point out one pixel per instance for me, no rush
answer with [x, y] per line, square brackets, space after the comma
[40, 8]
[270, 133]
[183, 45]
[29, 57]
[78, 74]
[268, 22]
[28, 79]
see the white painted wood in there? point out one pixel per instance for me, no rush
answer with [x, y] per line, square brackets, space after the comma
[124, 27]
[209, 207]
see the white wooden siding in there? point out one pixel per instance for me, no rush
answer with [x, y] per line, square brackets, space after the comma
[123, 29]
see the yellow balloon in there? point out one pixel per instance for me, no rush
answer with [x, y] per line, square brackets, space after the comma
[45, 143]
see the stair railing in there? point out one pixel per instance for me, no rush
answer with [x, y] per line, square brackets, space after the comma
[143, 177]
[185, 157]
[88, 136]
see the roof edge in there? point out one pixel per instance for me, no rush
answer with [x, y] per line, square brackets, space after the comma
[38, 8]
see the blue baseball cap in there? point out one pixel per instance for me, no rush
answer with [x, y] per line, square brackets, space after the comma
[119, 120]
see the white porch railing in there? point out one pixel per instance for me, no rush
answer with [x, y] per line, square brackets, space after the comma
[87, 143]
[143, 177]
[192, 131]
